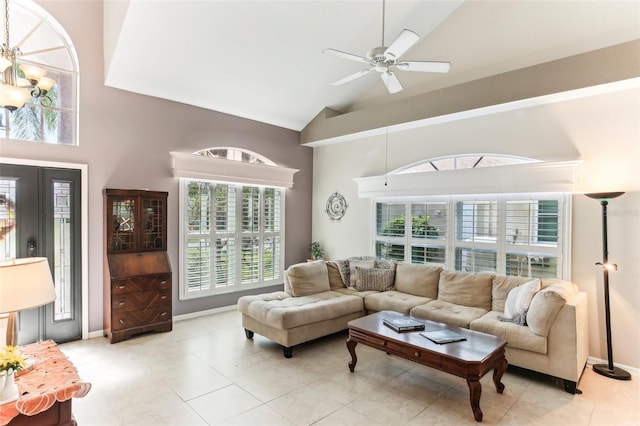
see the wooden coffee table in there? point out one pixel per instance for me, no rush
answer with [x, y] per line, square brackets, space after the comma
[470, 359]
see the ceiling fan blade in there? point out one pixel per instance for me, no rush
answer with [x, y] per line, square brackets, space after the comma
[391, 81]
[351, 77]
[424, 66]
[402, 43]
[345, 55]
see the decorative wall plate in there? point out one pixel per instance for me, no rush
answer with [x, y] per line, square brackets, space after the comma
[336, 206]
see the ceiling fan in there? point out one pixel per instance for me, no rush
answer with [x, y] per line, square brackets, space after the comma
[385, 59]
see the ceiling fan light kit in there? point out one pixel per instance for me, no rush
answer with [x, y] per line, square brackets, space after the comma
[384, 60]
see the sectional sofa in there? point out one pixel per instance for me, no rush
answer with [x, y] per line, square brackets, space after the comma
[543, 321]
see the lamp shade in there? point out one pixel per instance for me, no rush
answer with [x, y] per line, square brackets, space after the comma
[12, 97]
[34, 74]
[25, 283]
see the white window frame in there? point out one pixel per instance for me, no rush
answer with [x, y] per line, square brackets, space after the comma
[44, 23]
[562, 251]
[197, 167]
[237, 235]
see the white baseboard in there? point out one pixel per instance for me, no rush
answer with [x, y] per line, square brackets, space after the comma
[94, 334]
[100, 333]
[633, 370]
[205, 313]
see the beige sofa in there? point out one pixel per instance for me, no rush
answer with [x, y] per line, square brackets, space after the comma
[320, 298]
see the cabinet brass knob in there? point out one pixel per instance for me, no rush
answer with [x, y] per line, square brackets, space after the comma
[417, 354]
[121, 303]
[121, 321]
[163, 314]
[121, 286]
[163, 282]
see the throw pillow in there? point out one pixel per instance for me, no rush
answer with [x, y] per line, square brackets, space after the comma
[519, 298]
[335, 279]
[417, 279]
[353, 264]
[466, 289]
[374, 279]
[546, 304]
[308, 278]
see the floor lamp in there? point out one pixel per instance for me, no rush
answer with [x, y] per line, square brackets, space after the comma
[607, 370]
[24, 284]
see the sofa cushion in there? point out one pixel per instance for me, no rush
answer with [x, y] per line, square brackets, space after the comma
[353, 264]
[515, 335]
[351, 291]
[419, 280]
[500, 287]
[335, 278]
[289, 312]
[448, 313]
[374, 279]
[308, 278]
[519, 299]
[466, 289]
[393, 301]
[546, 304]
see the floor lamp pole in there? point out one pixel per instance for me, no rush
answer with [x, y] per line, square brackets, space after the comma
[608, 370]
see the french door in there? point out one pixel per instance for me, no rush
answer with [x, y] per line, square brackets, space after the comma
[40, 212]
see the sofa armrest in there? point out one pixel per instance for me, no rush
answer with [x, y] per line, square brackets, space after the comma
[568, 339]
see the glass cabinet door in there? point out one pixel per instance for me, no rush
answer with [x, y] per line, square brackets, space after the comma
[123, 225]
[152, 230]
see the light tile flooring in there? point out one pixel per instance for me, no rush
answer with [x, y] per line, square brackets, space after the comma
[206, 372]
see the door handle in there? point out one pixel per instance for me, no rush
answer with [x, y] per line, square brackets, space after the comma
[32, 248]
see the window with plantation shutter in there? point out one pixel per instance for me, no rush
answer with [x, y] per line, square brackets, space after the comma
[508, 234]
[232, 237]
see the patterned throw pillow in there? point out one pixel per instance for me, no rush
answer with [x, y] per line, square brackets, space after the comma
[353, 264]
[374, 279]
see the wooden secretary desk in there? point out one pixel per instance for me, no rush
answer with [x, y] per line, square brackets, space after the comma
[137, 274]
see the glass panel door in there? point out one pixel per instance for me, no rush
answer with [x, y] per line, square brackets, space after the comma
[40, 216]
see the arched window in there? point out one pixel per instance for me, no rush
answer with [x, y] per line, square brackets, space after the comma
[45, 44]
[465, 161]
[236, 154]
[231, 220]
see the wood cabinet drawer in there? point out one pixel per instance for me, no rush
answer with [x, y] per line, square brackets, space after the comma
[137, 300]
[146, 283]
[128, 319]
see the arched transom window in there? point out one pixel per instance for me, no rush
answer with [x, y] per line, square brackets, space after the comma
[236, 154]
[45, 44]
[466, 161]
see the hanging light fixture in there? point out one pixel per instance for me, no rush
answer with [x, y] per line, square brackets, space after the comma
[14, 90]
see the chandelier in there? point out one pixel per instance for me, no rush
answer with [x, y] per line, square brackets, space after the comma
[14, 89]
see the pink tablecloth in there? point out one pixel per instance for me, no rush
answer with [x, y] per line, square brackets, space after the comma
[54, 378]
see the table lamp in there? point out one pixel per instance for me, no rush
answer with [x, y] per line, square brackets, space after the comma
[24, 284]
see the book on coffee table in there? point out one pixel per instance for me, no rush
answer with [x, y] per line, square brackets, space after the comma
[443, 336]
[403, 324]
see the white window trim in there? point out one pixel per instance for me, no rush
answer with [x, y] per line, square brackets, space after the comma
[222, 170]
[564, 240]
[216, 170]
[184, 294]
[541, 177]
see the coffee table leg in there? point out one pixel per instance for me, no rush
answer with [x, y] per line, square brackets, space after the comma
[475, 390]
[497, 375]
[351, 345]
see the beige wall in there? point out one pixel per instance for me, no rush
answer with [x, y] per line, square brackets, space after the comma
[126, 138]
[603, 131]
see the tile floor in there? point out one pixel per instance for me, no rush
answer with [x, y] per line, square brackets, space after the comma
[205, 372]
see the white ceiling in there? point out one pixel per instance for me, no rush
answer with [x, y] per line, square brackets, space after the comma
[262, 59]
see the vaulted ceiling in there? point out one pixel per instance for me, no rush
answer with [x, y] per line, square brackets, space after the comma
[262, 59]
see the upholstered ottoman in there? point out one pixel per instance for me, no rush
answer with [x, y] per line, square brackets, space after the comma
[310, 312]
